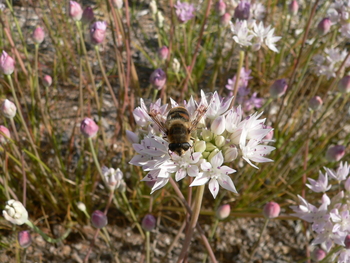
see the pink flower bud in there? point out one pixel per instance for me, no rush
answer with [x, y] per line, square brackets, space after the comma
[7, 64]
[4, 134]
[315, 103]
[335, 153]
[99, 219]
[24, 239]
[223, 211]
[318, 254]
[242, 11]
[75, 11]
[38, 35]
[88, 16]
[225, 19]
[220, 7]
[324, 26]
[47, 81]
[271, 210]
[149, 222]
[98, 32]
[163, 52]
[8, 109]
[158, 79]
[293, 7]
[344, 84]
[347, 241]
[88, 128]
[117, 3]
[278, 88]
[132, 137]
[268, 136]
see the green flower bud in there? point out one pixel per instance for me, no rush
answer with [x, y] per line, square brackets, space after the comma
[210, 147]
[220, 141]
[213, 153]
[200, 146]
[207, 135]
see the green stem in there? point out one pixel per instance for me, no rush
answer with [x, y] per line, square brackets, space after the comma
[148, 255]
[46, 237]
[194, 218]
[258, 242]
[238, 74]
[126, 201]
[94, 156]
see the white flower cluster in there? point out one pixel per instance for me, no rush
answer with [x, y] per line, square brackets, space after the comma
[254, 35]
[221, 137]
[328, 64]
[331, 220]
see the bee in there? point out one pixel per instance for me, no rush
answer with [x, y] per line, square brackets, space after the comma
[178, 127]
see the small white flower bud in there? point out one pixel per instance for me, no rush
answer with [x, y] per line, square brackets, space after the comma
[175, 65]
[212, 154]
[160, 19]
[200, 146]
[207, 135]
[230, 154]
[210, 147]
[153, 7]
[81, 206]
[220, 141]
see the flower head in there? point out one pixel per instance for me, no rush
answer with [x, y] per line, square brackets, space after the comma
[99, 219]
[271, 210]
[98, 32]
[112, 177]
[223, 211]
[4, 134]
[221, 135]
[38, 35]
[47, 80]
[75, 11]
[24, 239]
[7, 64]
[15, 212]
[149, 222]
[335, 153]
[242, 10]
[184, 11]
[88, 15]
[8, 109]
[88, 128]
[158, 79]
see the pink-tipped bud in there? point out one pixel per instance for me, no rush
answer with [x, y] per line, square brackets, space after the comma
[149, 222]
[38, 35]
[218, 125]
[99, 219]
[24, 239]
[335, 153]
[344, 84]
[117, 3]
[242, 11]
[8, 109]
[278, 88]
[324, 26]
[223, 211]
[163, 53]
[315, 103]
[75, 11]
[88, 16]
[225, 19]
[88, 128]
[47, 81]
[98, 32]
[7, 64]
[347, 242]
[220, 7]
[271, 210]
[318, 254]
[158, 79]
[293, 7]
[4, 135]
[268, 136]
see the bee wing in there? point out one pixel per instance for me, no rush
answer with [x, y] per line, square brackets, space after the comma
[159, 121]
[199, 113]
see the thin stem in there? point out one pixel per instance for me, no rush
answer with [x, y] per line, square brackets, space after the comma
[46, 237]
[94, 156]
[148, 254]
[126, 201]
[258, 242]
[194, 218]
[238, 74]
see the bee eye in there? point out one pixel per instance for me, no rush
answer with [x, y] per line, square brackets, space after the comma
[172, 146]
[185, 146]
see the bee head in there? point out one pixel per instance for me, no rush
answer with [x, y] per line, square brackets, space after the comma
[179, 148]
